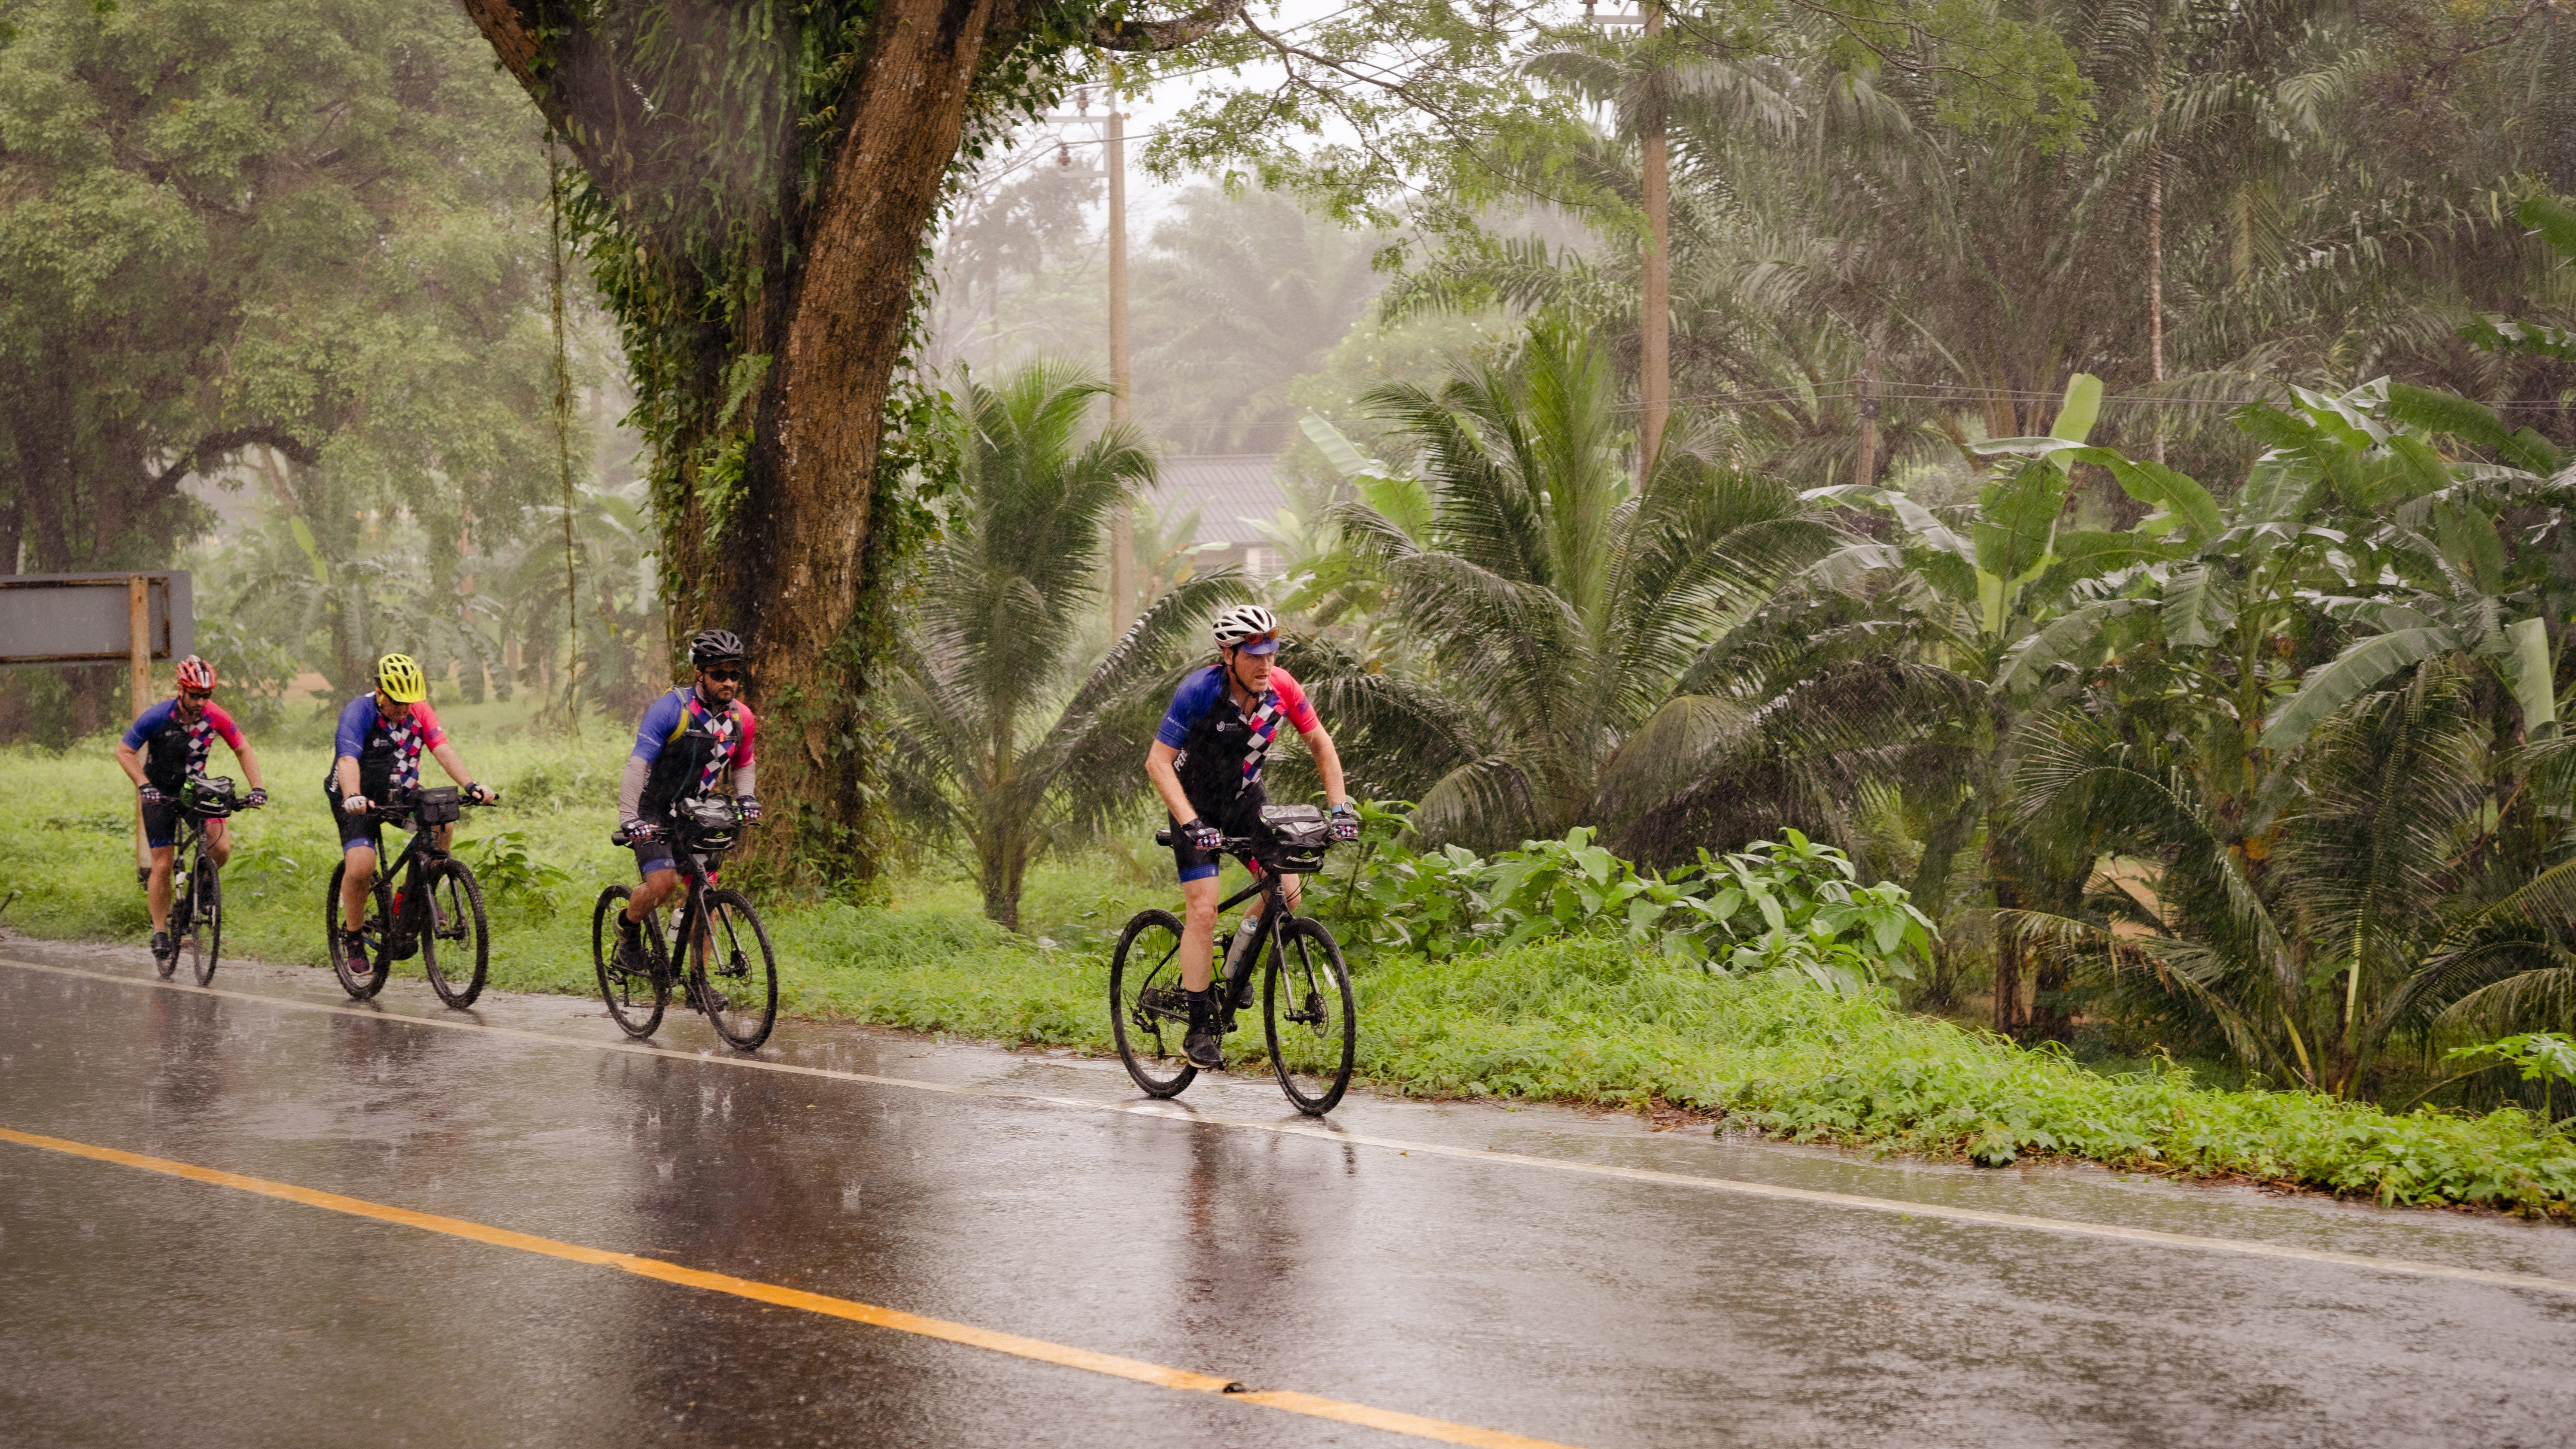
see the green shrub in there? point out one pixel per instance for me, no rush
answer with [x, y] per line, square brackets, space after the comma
[1790, 905]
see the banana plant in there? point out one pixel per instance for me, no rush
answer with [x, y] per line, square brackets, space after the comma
[2447, 579]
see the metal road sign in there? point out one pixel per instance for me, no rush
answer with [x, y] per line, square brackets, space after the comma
[88, 618]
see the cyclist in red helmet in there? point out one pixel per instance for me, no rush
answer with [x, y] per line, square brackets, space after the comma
[1206, 764]
[162, 751]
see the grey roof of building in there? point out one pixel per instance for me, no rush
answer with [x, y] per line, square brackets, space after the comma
[1226, 488]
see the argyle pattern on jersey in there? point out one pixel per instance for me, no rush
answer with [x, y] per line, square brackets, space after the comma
[723, 728]
[1263, 726]
[407, 735]
[201, 740]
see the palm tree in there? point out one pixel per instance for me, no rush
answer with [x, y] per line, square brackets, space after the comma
[1563, 597]
[2396, 897]
[998, 740]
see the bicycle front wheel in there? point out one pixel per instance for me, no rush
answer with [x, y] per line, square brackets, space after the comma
[205, 916]
[635, 997]
[733, 973]
[362, 972]
[454, 947]
[1310, 1017]
[1148, 1013]
[182, 886]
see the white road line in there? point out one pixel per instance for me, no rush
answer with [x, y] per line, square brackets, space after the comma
[2068, 1227]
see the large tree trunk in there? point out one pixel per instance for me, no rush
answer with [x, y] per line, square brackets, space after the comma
[822, 415]
[792, 574]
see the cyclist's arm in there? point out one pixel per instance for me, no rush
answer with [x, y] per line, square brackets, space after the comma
[451, 762]
[231, 735]
[129, 746]
[1328, 763]
[1160, 769]
[630, 788]
[346, 769]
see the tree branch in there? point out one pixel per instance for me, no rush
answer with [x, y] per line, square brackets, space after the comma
[1134, 35]
[215, 445]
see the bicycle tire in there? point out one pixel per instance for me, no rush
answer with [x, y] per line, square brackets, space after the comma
[740, 997]
[1144, 998]
[618, 986]
[455, 915]
[205, 916]
[1310, 1017]
[374, 931]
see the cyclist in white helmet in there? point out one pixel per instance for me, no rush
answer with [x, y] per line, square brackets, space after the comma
[1206, 764]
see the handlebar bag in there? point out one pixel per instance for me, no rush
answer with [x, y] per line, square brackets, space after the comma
[435, 807]
[1295, 838]
[210, 796]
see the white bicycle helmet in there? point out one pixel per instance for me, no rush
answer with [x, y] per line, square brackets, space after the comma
[1241, 622]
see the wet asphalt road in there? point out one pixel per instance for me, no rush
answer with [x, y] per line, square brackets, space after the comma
[1570, 1305]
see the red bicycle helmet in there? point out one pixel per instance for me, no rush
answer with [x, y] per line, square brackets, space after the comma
[196, 674]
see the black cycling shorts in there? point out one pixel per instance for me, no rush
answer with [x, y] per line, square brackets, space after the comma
[1239, 819]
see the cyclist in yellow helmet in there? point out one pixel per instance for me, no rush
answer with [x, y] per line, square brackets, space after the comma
[377, 762]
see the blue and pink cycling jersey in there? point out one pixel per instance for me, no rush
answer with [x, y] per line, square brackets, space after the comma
[387, 750]
[174, 750]
[723, 743]
[1197, 724]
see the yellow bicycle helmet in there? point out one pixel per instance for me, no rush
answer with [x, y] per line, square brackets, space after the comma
[399, 676]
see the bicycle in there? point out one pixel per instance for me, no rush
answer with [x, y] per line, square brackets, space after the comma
[425, 897]
[1309, 1015]
[196, 885]
[742, 1006]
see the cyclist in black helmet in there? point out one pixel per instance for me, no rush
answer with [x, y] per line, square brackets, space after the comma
[692, 743]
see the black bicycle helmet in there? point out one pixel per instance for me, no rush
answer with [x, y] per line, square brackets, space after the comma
[715, 646]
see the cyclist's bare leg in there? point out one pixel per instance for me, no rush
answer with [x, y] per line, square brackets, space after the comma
[1198, 932]
[361, 873]
[219, 842]
[159, 891]
[658, 886]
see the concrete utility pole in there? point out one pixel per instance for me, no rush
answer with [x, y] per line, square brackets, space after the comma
[138, 623]
[1113, 136]
[1655, 312]
[1654, 349]
[1122, 543]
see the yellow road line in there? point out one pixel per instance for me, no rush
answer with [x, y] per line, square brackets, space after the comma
[1414, 1425]
[1302, 1127]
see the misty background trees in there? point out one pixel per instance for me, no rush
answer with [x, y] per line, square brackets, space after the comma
[2034, 524]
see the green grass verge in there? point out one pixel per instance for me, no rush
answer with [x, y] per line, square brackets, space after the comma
[1585, 1021]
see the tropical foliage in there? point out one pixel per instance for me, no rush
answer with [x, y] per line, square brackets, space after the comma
[1003, 742]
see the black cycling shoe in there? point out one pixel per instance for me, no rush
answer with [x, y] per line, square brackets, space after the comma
[162, 947]
[630, 957]
[353, 946]
[1205, 1044]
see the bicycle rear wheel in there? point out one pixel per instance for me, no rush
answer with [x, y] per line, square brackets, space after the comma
[205, 916]
[635, 998]
[361, 975]
[1309, 1016]
[735, 976]
[454, 923]
[1147, 1011]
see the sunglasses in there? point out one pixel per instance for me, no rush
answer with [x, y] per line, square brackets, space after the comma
[195, 697]
[724, 676]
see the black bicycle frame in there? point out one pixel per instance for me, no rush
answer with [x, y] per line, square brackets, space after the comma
[421, 851]
[1238, 978]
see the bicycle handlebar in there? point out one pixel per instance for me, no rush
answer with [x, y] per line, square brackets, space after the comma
[388, 809]
[1230, 844]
